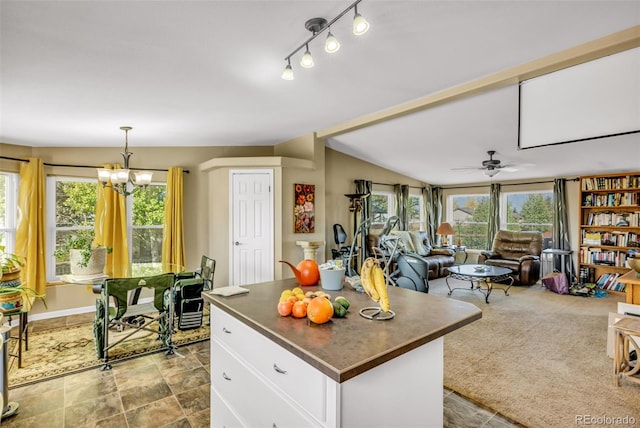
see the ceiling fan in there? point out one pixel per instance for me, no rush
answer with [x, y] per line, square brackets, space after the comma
[493, 166]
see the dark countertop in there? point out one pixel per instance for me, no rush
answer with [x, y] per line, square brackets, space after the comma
[345, 347]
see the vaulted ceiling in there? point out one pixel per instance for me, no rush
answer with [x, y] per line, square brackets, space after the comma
[207, 73]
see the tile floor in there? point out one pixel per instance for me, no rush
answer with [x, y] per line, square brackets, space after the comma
[160, 391]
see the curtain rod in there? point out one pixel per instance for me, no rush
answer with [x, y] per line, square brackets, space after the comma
[391, 185]
[513, 184]
[186, 171]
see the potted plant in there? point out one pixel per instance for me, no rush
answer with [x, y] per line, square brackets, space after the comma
[11, 266]
[85, 257]
[13, 294]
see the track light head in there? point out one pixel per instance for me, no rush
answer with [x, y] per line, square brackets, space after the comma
[307, 59]
[360, 25]
[287, 74]
[331, 45]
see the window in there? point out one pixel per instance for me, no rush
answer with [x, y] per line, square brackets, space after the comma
[71, 204]
[469, 216]
[8, 210]
[416, 213]
[527, 211]
[383, 207]
[147, 224]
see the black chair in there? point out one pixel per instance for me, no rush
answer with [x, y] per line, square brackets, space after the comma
[413, 272]
[340, 239]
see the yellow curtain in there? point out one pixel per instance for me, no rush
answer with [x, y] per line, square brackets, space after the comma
[173, 251]
[111, 229]
[31, 227]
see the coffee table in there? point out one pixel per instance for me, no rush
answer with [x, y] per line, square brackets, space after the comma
[478, 274]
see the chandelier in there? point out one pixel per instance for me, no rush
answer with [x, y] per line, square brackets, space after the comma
[121, 180]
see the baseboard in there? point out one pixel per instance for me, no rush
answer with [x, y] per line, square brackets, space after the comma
[72, 311]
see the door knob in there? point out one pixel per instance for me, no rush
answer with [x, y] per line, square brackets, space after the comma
[236, 243]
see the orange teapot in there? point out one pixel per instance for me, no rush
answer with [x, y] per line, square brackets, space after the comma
[307, 271]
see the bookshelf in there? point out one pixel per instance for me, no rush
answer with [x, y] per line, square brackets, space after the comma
[609, 227]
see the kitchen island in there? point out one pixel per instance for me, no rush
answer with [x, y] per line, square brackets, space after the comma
[268, 370]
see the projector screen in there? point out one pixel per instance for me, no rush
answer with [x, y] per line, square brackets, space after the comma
[599, 98]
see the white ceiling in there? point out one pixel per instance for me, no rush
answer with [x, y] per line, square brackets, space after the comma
[207, 73]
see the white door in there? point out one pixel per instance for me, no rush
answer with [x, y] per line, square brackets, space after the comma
[252, 226]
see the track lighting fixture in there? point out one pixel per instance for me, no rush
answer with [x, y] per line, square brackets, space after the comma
[331, 45]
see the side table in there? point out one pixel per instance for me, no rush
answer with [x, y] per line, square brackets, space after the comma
[23, 332]
[548, 258]
[623, 343]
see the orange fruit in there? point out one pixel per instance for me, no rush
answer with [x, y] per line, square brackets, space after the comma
[292, 300]
[299, 309]
[284, 308]
[319, 310]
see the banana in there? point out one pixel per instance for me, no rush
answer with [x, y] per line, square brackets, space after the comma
[381, 286]
[366, 279]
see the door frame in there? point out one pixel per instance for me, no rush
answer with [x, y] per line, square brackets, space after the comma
[251, 171]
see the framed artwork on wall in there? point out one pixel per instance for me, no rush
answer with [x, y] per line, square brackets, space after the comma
[303, 208]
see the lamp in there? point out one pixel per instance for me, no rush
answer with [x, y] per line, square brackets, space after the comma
[331, 45]
[445, 230]
[118, 179]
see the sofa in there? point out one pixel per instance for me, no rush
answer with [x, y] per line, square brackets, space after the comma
[518, 251]
[438, 259]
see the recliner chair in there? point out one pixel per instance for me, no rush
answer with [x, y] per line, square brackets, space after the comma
[518, 251]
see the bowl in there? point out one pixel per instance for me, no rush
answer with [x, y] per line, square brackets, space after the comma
[634, 263]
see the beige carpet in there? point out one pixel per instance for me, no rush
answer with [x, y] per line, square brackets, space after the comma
[537, 358]
[67, 349]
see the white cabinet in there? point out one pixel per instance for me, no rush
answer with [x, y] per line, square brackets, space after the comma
[256, 382]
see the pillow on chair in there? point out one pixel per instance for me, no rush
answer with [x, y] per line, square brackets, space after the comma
[405, 238]
[419, 244]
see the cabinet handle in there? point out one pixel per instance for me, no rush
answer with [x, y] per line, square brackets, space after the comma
[224, 375]
[224, 329]
[278, 369]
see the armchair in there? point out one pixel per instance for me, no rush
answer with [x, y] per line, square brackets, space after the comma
[518, 251]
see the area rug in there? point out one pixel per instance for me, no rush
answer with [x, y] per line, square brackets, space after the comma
[62, 351]
[538, 358]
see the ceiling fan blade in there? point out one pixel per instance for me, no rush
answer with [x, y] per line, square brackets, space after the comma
[509, 169]
[466, 168]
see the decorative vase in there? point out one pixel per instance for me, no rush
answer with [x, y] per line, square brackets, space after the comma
[96, 261]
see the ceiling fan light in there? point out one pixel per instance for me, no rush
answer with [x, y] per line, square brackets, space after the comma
[307, 59]
[331, 45]
[491, 172]
[287, 73]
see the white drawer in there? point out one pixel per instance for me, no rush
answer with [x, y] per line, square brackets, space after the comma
[255, 403]
[221, 415]
[304, 384]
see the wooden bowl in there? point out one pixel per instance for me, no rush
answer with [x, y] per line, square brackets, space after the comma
[634, 263]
